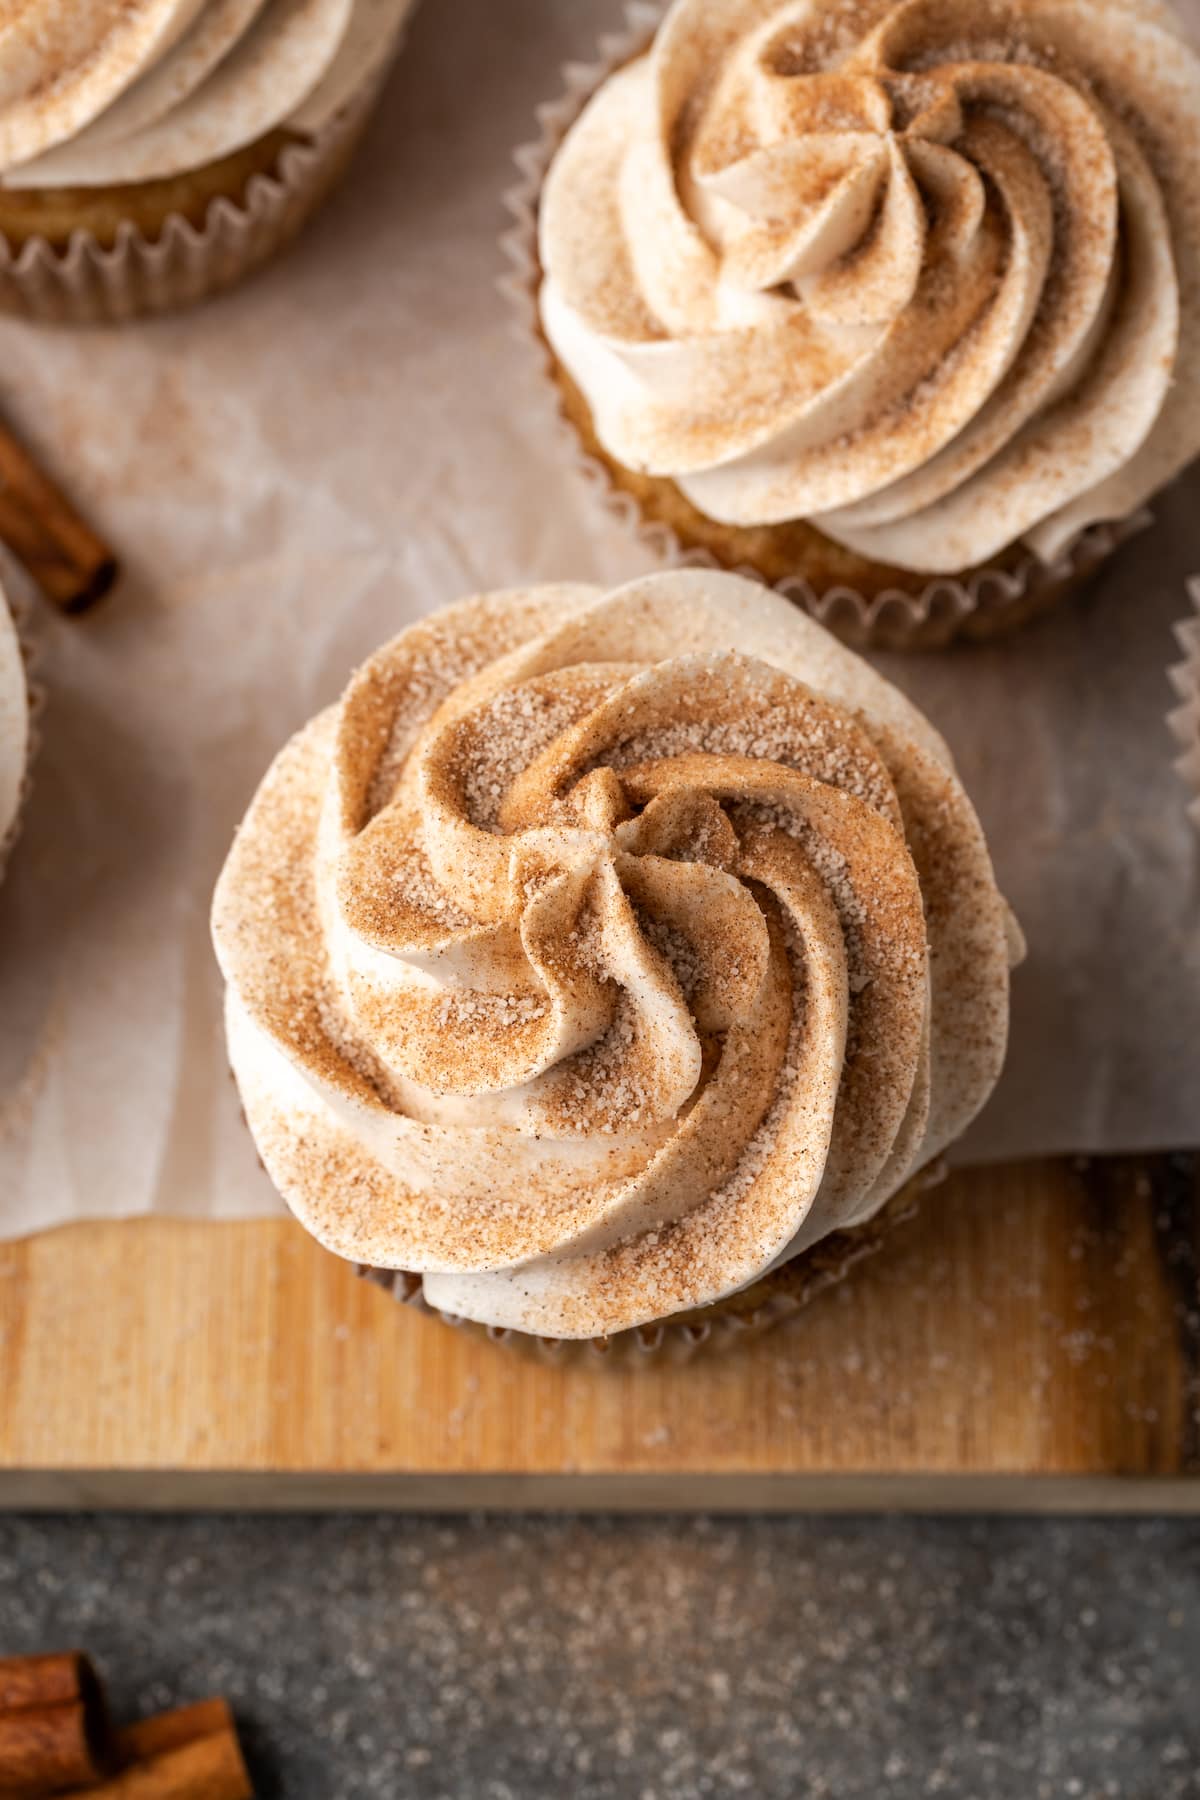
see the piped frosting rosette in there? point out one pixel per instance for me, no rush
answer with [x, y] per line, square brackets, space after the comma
[100, 93]
[925, 273]
[600, 951]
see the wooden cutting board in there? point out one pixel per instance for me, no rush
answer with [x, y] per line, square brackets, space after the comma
[1030, 1338]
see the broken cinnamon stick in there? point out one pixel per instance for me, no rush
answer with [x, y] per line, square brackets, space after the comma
[54, 1732]
[70, 563]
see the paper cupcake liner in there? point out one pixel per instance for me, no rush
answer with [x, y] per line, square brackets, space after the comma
[1184, 721]
[90, 284]
[35, 695]
[766, 1303]
[982, 603]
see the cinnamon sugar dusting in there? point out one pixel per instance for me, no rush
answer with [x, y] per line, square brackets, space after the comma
[585, 987]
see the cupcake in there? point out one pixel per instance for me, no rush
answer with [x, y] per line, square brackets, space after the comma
[893, 303]
[152, 153]
[608, 962]
[16, 735]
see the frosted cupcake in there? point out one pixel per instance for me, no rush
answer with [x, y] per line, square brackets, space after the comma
[16, 738]
[154, 152]
[611, 962]
[894, 302]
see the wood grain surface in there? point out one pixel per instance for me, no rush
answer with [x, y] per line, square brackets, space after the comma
[1030, 1338]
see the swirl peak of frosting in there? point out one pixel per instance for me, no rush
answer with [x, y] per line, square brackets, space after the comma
[97, 93]
[588, 965]
[926, 272]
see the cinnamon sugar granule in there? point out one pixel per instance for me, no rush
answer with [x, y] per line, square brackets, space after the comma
[353, 1052]
[407, 882]
[830, 866]
[759, 1147]
[394, 696]
[390, 704]
[603, 1088]
[497, 743]
[461, 1011]
[676, 949]
[585, 941]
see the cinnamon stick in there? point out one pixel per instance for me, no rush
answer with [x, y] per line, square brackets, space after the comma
[46, 1680]
[47, 1749]
[208, 1768]
[54, 1732]
[167, 1731]
[70, 563]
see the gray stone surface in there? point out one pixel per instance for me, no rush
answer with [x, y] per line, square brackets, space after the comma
[645, 1659]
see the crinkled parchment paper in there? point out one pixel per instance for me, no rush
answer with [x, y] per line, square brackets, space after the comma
[297, 471]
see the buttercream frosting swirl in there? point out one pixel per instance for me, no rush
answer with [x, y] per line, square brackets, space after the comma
[600, 950]
[14, 722]
[924, 272]
[95, 93]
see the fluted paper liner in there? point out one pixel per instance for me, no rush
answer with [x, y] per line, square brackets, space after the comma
[35, 694]
[767, 1302]
[90, 284]
[1184, 721]
[983, 603]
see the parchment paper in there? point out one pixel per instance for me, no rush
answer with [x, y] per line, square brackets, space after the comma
[294, 473]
